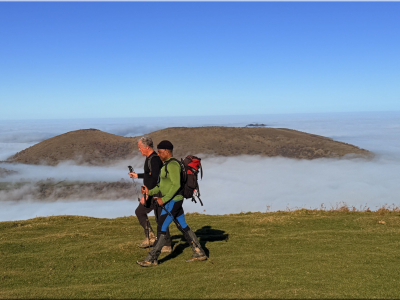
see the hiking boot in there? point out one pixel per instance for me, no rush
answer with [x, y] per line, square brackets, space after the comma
[200, 258]
[198, 252]
[145, 263]
[166, 249]
[146, 242]
[152, 256]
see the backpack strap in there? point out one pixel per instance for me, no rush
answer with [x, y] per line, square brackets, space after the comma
[149, 160]
[167, 162]
[180, 190]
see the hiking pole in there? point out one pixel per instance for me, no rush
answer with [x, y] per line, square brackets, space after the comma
[137, 193]
[134, 182]
[147, 226]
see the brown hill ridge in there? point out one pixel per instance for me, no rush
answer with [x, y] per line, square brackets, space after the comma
[90, 146]
[96, 147]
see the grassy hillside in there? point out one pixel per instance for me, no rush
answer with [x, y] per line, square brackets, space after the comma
[299, 254]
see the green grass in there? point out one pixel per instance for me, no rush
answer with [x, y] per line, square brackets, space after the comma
[298, 254]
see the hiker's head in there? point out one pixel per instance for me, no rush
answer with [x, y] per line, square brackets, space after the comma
[145, 145]
[165, 149]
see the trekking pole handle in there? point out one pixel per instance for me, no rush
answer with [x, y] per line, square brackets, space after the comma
[143, 189]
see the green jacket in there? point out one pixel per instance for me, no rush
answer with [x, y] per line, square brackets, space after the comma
[169, 183]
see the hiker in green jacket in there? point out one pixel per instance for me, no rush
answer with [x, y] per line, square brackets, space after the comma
[171, 200]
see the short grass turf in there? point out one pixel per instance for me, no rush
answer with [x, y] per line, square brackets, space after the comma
[298, 254]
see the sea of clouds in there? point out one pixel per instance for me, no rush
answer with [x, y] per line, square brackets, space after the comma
[230, 184]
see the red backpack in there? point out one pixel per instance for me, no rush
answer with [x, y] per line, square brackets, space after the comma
[190, 167]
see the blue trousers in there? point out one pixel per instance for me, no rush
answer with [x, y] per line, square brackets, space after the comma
[176, 210]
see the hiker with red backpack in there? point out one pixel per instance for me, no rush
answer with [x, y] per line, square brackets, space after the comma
[171, 200]
[152, 167]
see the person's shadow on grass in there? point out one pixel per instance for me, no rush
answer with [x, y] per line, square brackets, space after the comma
[204, 234]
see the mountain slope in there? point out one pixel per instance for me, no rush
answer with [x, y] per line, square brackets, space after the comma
[92, 146]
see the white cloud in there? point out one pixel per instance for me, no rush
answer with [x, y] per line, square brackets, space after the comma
[251, 183]
[69, 171]
[12, 211]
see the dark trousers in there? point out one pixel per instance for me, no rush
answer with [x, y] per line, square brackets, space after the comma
[142, 212]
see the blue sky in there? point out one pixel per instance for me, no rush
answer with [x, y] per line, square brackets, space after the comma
[139, 59]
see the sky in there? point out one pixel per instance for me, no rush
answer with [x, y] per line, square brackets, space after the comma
[66, 60]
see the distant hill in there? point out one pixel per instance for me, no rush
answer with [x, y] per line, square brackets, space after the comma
[233, 141]
[51, 190]
[5, 172]
[92, 146]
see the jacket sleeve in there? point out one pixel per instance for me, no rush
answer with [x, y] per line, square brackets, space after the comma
[154, 190]
[174, 173]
